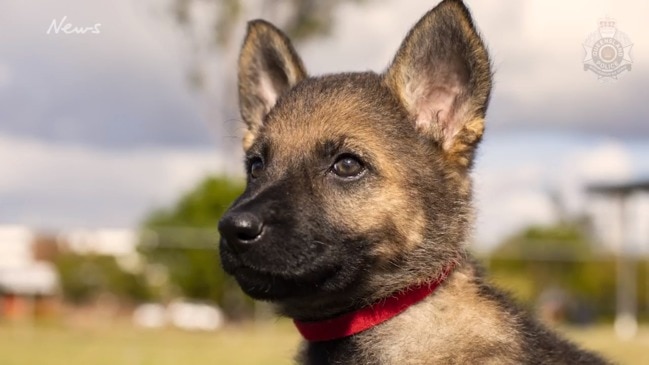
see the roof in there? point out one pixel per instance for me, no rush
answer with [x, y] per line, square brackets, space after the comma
[111, 242]
[16, 246]
[37, 279]
[619, 189]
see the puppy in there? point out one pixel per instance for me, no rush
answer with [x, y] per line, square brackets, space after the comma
[358, 205]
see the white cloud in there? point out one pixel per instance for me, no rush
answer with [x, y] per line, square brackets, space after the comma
[502, 214]
[125, 86]
[541, 34]
[518, 180]
[137, 65]
[55, 186]
[536, 48]
[608, 162]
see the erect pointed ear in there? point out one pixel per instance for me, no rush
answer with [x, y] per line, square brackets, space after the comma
[442, 75]
[268, 67]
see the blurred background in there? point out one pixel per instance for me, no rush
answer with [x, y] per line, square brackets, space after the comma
[119, 149]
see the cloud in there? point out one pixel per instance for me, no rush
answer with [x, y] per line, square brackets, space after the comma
[501, 214]
[608, 162]
[124, 87]
[55, 186]
[519, 179]
[127, 86]
[537, 52]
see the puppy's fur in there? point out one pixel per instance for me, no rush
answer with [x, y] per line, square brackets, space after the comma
[359, 187]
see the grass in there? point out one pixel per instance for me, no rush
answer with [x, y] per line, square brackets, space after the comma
[602, 339]
[121, 344]
[273, 343]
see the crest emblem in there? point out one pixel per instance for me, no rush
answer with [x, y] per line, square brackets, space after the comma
[608, 51]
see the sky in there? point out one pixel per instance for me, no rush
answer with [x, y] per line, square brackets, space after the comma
[98, 129]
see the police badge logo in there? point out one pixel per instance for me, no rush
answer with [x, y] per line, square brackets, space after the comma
[608, 51]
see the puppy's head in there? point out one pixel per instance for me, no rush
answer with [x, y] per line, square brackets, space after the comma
[357, 183]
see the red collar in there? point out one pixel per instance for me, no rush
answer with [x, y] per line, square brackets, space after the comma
[365, 318]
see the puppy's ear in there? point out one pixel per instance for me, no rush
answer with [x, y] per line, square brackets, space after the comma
[442, 75]
[268, 67]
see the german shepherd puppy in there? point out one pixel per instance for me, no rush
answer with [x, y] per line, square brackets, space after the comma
[357, 209]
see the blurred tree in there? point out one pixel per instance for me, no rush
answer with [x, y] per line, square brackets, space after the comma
[563, 241]
[184, 240]
[211, 25]
[557, 258]
[85, 277]
[300, 19]
[202, 206]
[214, 30]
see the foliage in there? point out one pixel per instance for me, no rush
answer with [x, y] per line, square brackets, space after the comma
[201, 207]
[563, 241]
[210, 25]
[184, 240]
[85, 277]
[560, 258]
[302, 19]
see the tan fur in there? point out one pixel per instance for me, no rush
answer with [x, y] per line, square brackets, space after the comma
[434, 322]
[342, 116]
[248, 139]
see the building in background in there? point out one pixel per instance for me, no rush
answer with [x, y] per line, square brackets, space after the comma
[28, 283]
[118, 243]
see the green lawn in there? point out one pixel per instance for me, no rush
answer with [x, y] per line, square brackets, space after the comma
[602, 339]
[273, 344]
[123, 345]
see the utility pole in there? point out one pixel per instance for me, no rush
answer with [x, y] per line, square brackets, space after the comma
[626, 313]
[626, 316]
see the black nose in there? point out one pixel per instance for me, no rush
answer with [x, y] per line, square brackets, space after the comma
[240, 230]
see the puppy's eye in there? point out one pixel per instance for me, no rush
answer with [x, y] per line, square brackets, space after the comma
[347, 167]
[255, 167]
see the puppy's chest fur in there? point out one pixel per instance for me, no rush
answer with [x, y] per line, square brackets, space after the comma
[455, 325]
[465, 322]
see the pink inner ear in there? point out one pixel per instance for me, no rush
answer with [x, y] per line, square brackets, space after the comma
[267, 91]
[435, 110]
